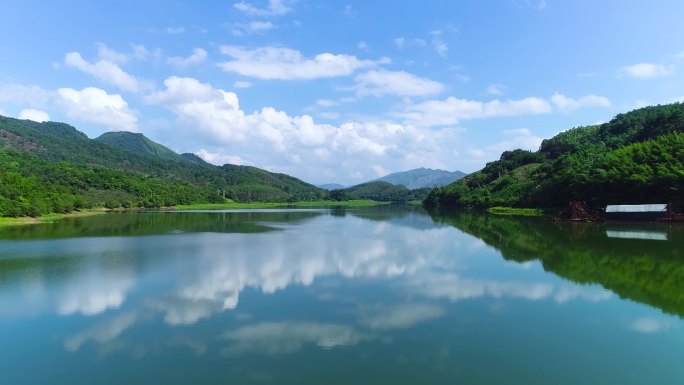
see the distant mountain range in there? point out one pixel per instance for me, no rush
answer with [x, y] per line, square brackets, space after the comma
[330, 186]
[422, 178]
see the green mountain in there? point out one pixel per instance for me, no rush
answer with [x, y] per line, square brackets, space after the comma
[52, 167]
[379, 191]
[139, 144]
[637, 157]
[422, 178]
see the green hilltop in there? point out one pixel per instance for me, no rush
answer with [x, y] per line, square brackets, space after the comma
[637, 157]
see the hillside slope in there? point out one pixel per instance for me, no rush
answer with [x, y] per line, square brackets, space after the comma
[637, 157]
[422, 178]
[53, 167]
[139, 144]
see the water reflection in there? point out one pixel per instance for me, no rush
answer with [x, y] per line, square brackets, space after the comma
[380, 282]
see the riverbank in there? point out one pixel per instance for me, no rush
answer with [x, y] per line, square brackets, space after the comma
[49, 218]
[270, 205]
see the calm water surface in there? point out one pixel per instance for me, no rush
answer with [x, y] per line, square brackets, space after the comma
[384, 295]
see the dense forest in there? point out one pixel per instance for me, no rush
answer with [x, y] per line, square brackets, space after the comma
[637, 157]
[52, 167]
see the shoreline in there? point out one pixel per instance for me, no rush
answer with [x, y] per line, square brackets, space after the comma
[50, 218]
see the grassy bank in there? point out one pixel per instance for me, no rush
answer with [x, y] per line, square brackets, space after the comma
[48, 218]
[269, 205]
[515, 211]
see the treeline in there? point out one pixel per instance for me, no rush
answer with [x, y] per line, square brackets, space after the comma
[379, 191]
[52, 167]
[30, 186]
[637, 157]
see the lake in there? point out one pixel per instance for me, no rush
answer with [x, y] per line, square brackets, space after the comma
[379, 295]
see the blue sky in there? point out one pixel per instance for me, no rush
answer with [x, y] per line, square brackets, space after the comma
[339, 91]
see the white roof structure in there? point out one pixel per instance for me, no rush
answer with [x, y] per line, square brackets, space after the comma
[652, 208]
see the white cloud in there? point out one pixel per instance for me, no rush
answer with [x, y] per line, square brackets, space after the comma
[242, 84]
[104, 70]
[294, 144]
[452, 110]
[327, 103]
[379, 170]
[260, 26]
[274, 8]
[94, 105]
[395, 83]
[106, 53]
[35, 115]
[252, 27]
[198, 56]
[140, 52]
[220, 159]
[495, 90]
[20, 94]
[362, 45]
[646, 70]
[286, 64]
[564, 103]
[440, 47]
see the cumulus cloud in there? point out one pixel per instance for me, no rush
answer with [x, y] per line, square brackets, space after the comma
[21, 94]
[94, 105]
[564, 103]
[395, 83]
[198, 55]
[104, 70]
[220, 159]
[288, 64]
[296, 143]
[452, 110]
[252, 27]
[274, 8]
[646, 70]
[35, 115]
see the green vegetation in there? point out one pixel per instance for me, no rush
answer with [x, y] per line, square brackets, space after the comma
[379, 191]
[637, 157]
[53, 168]
[526, 212]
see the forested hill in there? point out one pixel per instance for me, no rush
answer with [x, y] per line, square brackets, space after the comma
[53, 167]
[379, 191]
[422, 178]
[637, 157]
[139, 144]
